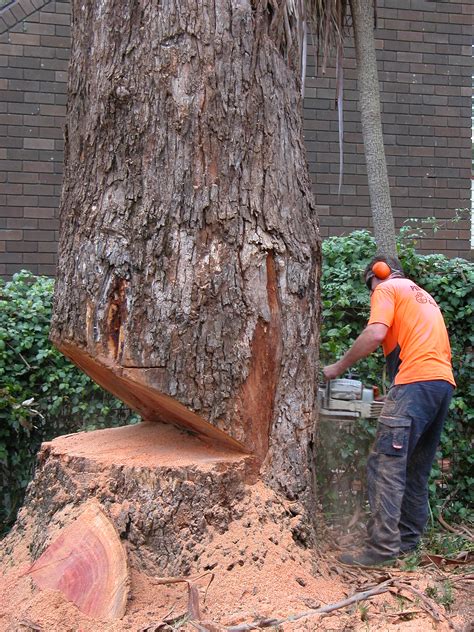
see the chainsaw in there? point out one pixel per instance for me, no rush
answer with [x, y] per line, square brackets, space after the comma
[346, 400]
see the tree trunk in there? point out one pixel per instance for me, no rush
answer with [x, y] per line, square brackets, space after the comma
[189, 251]
[189, 260]
[369, 99]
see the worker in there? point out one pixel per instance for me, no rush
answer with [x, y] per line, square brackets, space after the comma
[407, 321]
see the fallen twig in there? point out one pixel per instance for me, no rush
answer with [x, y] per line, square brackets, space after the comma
[395, 615]
[355, 517]
[360, 596]
[446, 526]
[177, 580]
[467, 531]
[194, 612]
[429, 605]
[468, 577]
[21, 356]
[27, 623]
[462, 532]
[156, 625]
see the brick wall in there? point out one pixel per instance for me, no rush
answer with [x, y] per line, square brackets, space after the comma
[34, 51]
[424, 60]
[424, 56]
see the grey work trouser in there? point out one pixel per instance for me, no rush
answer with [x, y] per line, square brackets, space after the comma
[400, 462]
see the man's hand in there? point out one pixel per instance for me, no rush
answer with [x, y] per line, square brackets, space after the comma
[368, 341]
[331, 371]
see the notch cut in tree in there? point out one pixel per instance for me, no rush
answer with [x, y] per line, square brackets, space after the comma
[189, 252]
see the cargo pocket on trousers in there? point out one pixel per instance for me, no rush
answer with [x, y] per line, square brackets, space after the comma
[393, 435]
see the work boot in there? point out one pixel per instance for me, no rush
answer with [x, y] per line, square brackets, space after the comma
[365, 558]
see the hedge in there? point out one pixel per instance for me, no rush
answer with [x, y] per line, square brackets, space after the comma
[346, 306]
[42, 395]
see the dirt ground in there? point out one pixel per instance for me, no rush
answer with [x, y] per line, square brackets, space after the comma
[253, 570]
[252, 574]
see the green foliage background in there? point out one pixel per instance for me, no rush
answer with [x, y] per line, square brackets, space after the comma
[42, 395]
[346, 303]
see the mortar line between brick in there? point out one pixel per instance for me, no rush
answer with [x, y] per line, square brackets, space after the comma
[8, 11]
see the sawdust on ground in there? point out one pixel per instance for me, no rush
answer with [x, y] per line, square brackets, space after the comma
[255, 574]
[254, 570]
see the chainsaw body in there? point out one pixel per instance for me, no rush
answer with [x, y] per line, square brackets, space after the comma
[347, 400]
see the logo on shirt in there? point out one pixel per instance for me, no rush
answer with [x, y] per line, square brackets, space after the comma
[422, 296]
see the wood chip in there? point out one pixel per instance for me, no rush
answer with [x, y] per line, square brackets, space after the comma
[87, 563]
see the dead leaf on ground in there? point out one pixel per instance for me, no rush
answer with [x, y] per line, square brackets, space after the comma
[440, 561]
[156, 626]
[193, 602]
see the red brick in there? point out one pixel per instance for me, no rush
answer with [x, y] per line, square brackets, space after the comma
[21, 246]
[22, 222]
[54, 18]
[11, 235]
[25, 38]
[47, 246]
[38, 143]
[38, 235]
[39, 212]
[39, 258]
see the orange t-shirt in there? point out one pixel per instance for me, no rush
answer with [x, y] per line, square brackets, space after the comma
[416, 346]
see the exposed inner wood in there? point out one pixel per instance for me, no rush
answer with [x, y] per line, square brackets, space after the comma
[258, 392]
[115, 317]
[129, 386]
[145, 445]
[88, 564]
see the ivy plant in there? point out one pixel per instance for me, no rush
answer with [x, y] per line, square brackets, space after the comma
[42, 394]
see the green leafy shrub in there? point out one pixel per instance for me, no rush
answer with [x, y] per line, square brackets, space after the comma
[42, 394]
[346, 307]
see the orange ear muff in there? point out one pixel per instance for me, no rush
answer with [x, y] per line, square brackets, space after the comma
[381, 270]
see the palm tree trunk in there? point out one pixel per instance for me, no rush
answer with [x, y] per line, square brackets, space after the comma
[369, 104]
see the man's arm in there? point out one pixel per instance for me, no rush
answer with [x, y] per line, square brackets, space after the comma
[372, 336]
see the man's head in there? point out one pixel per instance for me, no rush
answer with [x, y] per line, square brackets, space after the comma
[381, 268]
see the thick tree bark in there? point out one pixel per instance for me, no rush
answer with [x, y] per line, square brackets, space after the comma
[189, 250]
[369, 99]
[166, 492]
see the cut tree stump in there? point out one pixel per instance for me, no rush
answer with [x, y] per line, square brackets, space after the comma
[163, 489]
[182, 508]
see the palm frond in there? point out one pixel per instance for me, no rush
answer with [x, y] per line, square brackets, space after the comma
[328, 21]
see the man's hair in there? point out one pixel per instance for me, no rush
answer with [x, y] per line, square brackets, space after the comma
[393, 263]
